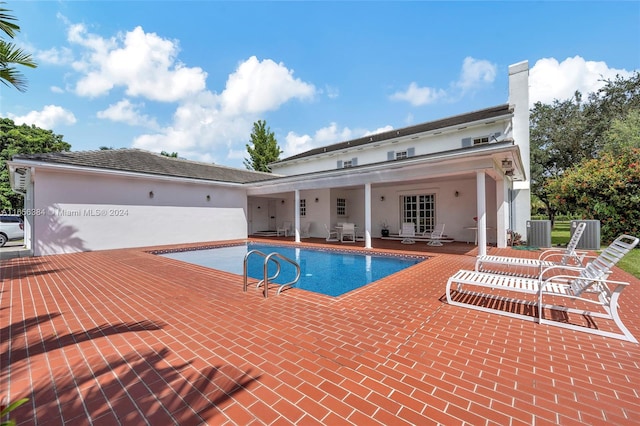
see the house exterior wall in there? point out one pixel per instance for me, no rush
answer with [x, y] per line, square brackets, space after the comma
[84, 212]
[456, 212]
[447, 140]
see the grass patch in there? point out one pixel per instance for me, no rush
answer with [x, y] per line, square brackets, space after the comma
[561, 234]
[631, 262]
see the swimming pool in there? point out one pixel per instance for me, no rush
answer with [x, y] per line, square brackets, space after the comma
[327, 272]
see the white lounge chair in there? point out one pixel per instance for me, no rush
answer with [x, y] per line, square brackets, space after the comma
[305, 230]
[348, 234]
[547, 258]
[586, 286]
[284, 229]
[408, 233]
[436, 237]
[331, 235]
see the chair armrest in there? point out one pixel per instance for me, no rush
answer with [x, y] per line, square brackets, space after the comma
[621, 284]
[550, 252]
[560, 269]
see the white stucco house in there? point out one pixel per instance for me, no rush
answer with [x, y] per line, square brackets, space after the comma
[473, 165]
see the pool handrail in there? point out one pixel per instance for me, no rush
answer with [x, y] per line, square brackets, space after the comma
[265, 280]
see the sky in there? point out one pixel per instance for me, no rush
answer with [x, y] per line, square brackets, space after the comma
[193, 76]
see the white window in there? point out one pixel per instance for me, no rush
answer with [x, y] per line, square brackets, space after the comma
[478, 141]
[303, 207]
[347, 163]
[401, 155]
[341, 207]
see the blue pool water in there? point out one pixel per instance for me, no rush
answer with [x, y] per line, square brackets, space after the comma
[322, 271]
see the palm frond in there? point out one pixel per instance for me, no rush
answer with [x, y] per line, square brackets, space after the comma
[10, 56]
[6, 26]
[10, 76]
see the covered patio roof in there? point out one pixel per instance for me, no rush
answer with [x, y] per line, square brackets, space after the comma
[459, 162]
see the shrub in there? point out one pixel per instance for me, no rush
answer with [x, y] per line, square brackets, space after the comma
[606, 189]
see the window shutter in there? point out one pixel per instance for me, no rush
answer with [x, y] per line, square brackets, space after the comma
[391, 155]
[466, 142]
[339, 166]
[411, 152]
[354, 161]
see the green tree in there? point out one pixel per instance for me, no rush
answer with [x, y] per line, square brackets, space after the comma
[171, 155]
[611, 102]
[263, 149]
[605, 189]
[623, 133]
[565, 133]
[556, 138]
[22, 139]
[10, 55]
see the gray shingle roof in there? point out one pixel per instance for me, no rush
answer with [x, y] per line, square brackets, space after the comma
[140, 161]
[456, 120]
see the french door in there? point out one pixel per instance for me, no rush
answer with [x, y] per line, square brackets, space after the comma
[419, 210]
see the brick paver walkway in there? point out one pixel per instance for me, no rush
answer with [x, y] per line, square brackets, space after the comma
[126, 337]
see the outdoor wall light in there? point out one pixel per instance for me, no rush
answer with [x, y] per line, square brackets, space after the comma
[208, 197]
[258, 207]
[382, 198]
[507, 164]
[457, 194]
[150, 194]
[282, 202]
[317, 199]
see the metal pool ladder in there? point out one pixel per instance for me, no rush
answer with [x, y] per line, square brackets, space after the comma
[265, 281]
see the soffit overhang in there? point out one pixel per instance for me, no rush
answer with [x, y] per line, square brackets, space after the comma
[452, 164]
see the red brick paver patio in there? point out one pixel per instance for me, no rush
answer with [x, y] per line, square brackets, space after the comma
[126, 337]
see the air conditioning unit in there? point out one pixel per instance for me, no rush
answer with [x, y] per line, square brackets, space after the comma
[539, 233]
[590, 239]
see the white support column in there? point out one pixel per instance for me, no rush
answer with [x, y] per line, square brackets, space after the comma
[296, 201]
[367, 215]
[482, 212]
[502, 208]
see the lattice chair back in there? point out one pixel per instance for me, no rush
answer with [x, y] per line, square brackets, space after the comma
[600, 268]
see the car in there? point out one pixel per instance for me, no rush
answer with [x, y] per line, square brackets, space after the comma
[11, 228]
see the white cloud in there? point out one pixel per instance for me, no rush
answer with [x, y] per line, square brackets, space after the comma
[379, 130]
[475, 74]
[56, 89]
[208, 123]
[409, 119]
[54, 56]
[418, 96]
[143, 63]
[332, 134]
[259, 86]
[126, 112]
[332, 92]
[550, 79]
[295, 144]
[50, 117]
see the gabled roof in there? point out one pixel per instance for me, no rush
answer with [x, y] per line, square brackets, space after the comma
[140, 161]
[456, 120]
